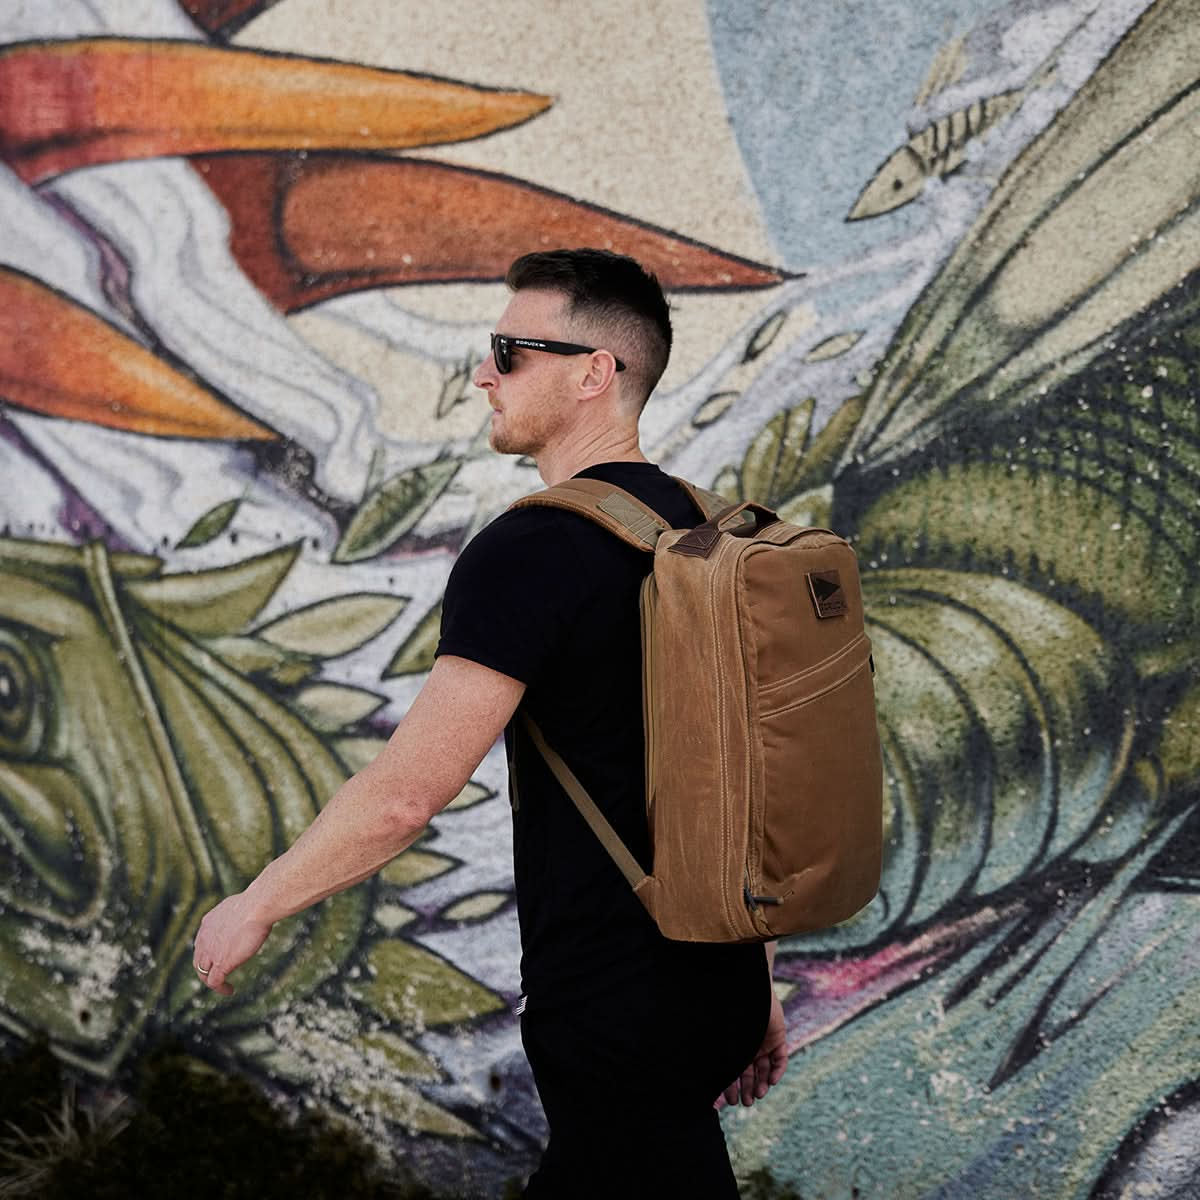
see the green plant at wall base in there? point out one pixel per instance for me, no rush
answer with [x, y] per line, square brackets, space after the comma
[191, 746]
[30, 1083]
[61, 1156]
[761, 1185]
[184, 1130]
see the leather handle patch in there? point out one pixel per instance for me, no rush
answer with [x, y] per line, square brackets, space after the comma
[825, 588]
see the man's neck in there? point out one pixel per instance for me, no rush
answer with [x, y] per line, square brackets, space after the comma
[558, 464]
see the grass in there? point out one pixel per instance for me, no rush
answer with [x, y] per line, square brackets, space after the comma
[180, 1129]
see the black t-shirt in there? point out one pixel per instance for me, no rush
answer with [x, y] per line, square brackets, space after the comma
[550, 598]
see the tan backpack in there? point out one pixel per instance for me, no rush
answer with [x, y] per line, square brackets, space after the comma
[764, 785]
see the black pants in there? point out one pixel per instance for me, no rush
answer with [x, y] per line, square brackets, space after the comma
[628, 1089]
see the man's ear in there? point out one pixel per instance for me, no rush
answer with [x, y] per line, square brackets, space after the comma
[598, 375]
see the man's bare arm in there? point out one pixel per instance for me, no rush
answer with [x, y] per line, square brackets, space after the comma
[374, 815]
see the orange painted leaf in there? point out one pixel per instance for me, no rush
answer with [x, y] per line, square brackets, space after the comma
[59, 359]
[72, 104]
[308, 227]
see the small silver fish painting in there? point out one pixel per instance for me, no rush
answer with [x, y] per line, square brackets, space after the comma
[937, 150]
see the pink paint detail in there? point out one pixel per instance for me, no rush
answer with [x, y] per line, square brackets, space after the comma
[832, 992]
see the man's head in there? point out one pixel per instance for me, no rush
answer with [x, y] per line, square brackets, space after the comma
[577, 350]
[611, 302]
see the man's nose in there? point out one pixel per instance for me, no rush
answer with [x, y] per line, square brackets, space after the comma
[484, 375]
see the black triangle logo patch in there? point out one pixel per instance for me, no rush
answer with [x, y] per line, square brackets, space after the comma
[825, 587]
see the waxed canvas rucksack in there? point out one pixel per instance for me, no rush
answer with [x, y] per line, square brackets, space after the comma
[763, 771]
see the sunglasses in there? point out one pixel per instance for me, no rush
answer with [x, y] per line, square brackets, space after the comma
[502, 348]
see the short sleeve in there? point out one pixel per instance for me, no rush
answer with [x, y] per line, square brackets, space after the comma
[513, 595]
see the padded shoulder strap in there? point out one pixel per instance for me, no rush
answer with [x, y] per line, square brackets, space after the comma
[709, 503]
[617, 510]
[607, 505]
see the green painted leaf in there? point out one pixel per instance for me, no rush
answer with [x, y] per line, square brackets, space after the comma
[416, 655]
[211, 525]
[294, 670]
[814, 507]
[22, 553]
[1036, 511]
[215, 762]
[457, 387]
[402, 1058]
[255, 776]
[1179, 753]
[821, 456]
[715, 407]
[403, 1105]
[217, 602]
[251, 656]
[358, 752]
[392, 917]
[392, 509]
[329, 707]
[834, 346]
[476, 907]
[416, 866]
[785, 468]
[771, 463]
[729, 483]
[415, 987]
[764, 335]
[471, 795]
[330, 628]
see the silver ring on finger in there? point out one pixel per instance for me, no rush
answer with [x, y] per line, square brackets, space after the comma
[203, 970]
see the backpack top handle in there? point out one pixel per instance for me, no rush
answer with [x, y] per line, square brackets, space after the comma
[702, 540]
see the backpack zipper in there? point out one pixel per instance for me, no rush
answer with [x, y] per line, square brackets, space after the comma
[729, 546]
[752, 898]
[646, 602]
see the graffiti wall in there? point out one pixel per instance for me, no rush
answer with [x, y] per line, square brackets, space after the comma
[935, 272]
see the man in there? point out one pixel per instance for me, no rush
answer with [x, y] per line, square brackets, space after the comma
[631, 1037]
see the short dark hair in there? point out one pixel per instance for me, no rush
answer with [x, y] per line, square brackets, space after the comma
[610, 290]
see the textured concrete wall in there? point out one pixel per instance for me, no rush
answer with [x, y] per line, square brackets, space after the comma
[934, 271]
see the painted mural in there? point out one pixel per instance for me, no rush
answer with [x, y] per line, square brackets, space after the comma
[249, 255]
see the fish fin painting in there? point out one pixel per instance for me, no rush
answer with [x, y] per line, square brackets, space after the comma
[251, 252]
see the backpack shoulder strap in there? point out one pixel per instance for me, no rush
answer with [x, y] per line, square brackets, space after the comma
[617, 850]
[709, 503]
[613, 507]
[619, 511]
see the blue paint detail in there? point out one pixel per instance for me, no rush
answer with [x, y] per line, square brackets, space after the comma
[818, 95]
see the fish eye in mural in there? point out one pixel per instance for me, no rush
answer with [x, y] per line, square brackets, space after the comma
[1000, 406]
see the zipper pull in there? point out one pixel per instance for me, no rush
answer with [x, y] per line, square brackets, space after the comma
[753, 901]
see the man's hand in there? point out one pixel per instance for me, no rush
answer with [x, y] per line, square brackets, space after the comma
[229, 935]
[767, 1067]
